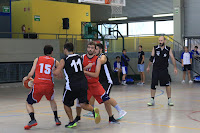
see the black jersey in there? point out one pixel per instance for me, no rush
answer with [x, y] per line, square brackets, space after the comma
[161, 58]
[106, 72]
[73, 71]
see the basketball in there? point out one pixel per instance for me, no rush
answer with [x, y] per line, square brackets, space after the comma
[28, 83]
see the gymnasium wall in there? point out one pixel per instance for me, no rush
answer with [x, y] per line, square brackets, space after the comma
[51, 14]
[192, 17]
[22, 50]
[5, 25]
[21, 15]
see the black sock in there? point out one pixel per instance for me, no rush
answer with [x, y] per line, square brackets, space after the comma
[111, 118]
[169, 97]
[93, 113]
[78, 117]
[32, 116]
[152, 97]
[55, 114]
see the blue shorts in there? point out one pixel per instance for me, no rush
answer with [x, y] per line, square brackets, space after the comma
[140, 67]
[124, 70]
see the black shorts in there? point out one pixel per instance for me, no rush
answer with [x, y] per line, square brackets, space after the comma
[187, 67]
[107, 87]
[78, 91]
[162, 76]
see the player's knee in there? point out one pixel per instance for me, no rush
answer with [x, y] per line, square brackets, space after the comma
[105, 98]
[153, 87]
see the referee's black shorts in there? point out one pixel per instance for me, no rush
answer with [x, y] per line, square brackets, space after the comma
[160, 75]
[107, 87]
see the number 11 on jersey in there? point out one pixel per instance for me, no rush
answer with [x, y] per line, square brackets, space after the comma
[75, 65]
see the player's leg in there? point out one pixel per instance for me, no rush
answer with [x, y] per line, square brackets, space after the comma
[55, 112]
[154, 82]
[119, 74]
[102, 97]
[33, 97]
[107, 87]
[184, 74]
[143, 75]
[189, 76]
[168, 90]
[124, 72]
[68, 101]
[50, 96]
[78, 111]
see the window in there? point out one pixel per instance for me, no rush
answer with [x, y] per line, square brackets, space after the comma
[141, 28]
[122, 29]
[165, 27]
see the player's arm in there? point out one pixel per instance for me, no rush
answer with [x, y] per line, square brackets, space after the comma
[173, 61]
[142, 59]
[59, 75]
[58, 71]
[151, 59]
[31, 73]
[103, 59]
[97, 70]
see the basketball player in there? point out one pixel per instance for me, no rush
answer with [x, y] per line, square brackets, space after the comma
[76, 84]
[159, 57]
[106, 78]
[43, 84]
[92, 67]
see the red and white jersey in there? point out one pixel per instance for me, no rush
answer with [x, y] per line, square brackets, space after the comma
[92, 60]
[43, 72]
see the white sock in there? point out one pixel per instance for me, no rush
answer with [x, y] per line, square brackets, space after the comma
[118, 108]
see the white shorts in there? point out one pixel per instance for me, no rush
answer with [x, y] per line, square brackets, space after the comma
[124, 70]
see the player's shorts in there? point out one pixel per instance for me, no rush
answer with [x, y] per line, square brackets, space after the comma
[187, 67]
[97, 91]
[107, 87]
[40, 90]
[162, 76]
[140, 67]
[78, 91]
[124, 70]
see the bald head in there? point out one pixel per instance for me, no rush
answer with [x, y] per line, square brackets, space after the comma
[162, 41]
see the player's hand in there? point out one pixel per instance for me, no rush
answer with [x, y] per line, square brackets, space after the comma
[148, 69]
[175, 71]
[24, 79]
[89, 65]
[182, 65]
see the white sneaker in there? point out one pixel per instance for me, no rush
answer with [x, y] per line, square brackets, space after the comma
[122, 113]
[190, 82]
[139, 83]
[170, 103]
[89, 114]
[124, 83]
[183, 82]
[151, 103]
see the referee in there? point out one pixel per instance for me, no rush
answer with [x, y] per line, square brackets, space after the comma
[159, 57]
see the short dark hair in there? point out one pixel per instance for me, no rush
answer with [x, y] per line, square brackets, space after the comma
[196, 47]
[117, 57]
[100, 45]
[186, 47]
[140, 46]
[69, 46]
[48, 49]
[123, 50]
[92, 43]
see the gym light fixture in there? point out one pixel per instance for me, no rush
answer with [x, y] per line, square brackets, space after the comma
[121, 18]
[163, 15]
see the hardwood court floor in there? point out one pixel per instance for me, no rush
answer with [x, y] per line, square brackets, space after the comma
[184, 117]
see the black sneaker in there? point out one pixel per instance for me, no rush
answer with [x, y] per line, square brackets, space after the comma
[71, 125]
[112, 120]
[58, 122]
[78, 118]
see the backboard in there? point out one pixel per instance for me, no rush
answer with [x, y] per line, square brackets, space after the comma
[89, 30]
[105, 2]
[104, 30]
